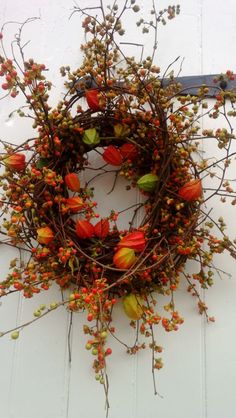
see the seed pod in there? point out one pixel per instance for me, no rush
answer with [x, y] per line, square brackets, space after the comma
[132, 305]
[135, 240]
[101, 229]
[112, 155]
[74, 204]
[191, 190]
[121, 130]
[72, 182]
[148, 182]
[15, 162]
[84, 229]
[91, 137]
[129, 151]
[124, 258]
[45, 235]
[92, 97]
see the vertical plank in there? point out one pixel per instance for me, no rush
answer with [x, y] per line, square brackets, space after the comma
[220, 363]
[8, 352]
[220, 336]
[218, 43]
[181, 382]
[34, 369]
[40, 369]
[181, 378]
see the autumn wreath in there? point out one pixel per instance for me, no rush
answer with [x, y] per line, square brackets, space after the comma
[140, 130]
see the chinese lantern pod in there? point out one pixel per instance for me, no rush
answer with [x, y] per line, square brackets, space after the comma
[135, 240]
[92, 98]
[91, 137]
[129, 151]
[191, 190]
[74, 204]
[112, 155]
[148, 182]
[72, 182]
[121, 130]
[45, 235]
[101, 229]
[124, 258]
[15, 162]
[132, 305]
[84, 229]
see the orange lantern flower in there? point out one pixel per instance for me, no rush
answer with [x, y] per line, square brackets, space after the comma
[191, 190]
[45, 235]
[72, 182]
[101, 229]
[135, 240]
[129, 151]
[112, 155]
[124, 258]
[74, 204]
[92, 97]
[15, 162]
[84, 229]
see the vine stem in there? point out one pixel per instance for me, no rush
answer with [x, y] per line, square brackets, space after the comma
[26, 324]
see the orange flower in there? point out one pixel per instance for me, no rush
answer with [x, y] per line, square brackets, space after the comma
[101, 229]
[74, 204]
[135, 240]
[15, 162]
[45, 235]
[191, 190]
[124, 258]
[84, 229]
[112, 155]
[72, 182]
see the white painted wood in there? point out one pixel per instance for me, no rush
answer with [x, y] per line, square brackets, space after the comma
[197, 381]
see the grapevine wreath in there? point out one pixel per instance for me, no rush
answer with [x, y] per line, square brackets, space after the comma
[142, 131]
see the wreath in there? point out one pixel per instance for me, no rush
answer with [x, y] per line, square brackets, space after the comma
[140, 130]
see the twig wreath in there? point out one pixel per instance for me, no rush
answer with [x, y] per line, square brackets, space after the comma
[142, 131]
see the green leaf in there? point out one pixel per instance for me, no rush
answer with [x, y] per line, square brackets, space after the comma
[42, 162]
[91, 137]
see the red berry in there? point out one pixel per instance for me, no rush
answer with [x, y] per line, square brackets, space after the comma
[90, 317]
